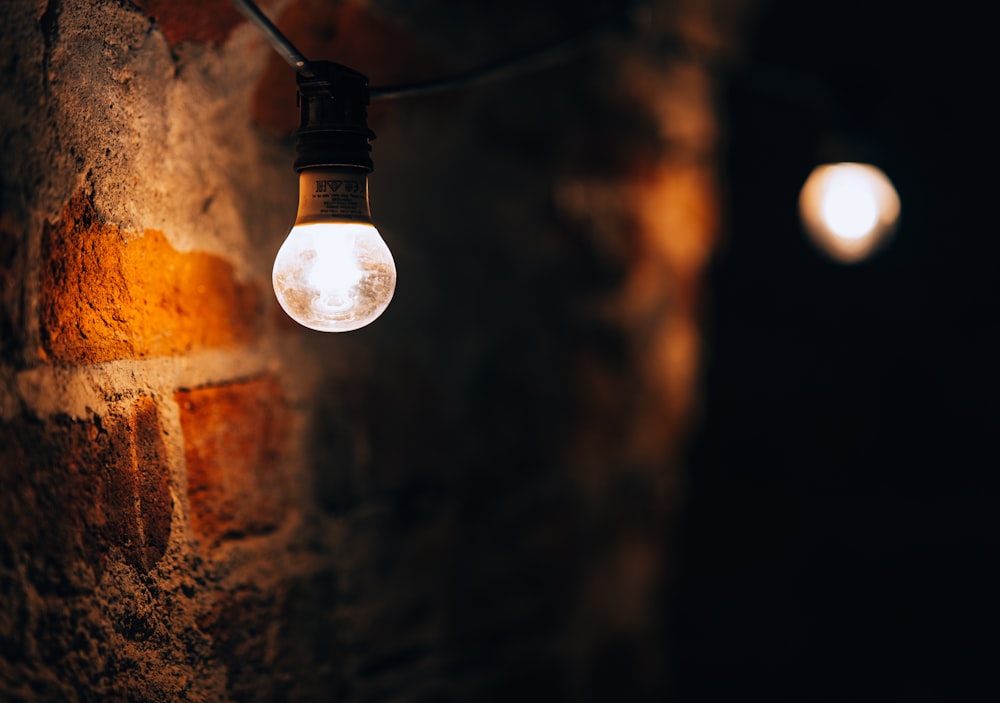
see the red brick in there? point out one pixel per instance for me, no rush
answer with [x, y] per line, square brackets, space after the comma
[204, 21]
[153, 502]
[107, 294]
[234, 442]
[83, 490]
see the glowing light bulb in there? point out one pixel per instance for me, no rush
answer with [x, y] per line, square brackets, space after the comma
[334, 273]
[848, 209]
[334, 277]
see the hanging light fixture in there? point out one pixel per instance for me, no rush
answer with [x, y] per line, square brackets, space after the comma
[334, 272]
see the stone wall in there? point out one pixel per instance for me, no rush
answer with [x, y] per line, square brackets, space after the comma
[468, 500]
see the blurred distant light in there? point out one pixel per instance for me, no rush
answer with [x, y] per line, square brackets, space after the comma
[849, 210]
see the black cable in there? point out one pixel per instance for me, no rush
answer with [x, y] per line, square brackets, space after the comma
[540, 59]
[780, 82]
[278, 40]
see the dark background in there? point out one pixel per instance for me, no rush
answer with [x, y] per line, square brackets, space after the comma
[840, 532]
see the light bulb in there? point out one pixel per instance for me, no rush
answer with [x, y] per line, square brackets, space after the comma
[334, 273]
[848, 209]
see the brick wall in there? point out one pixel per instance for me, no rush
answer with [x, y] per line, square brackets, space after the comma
[470, 499]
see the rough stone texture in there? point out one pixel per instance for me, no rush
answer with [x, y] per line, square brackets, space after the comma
[107, 481]
[107, 295]
[86, 517]
[468, 500]
[234, 437]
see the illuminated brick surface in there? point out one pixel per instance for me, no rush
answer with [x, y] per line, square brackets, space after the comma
[234, 435]
[108, 294]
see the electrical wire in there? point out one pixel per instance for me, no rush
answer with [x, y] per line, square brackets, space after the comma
[278, 40]
[784, 83]
[543, 58]
[538, 60]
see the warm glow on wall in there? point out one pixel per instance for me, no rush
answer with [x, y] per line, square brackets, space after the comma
[848, 210]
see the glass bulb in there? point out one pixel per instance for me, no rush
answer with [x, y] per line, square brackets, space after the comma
[848, 209]
[334, 273]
